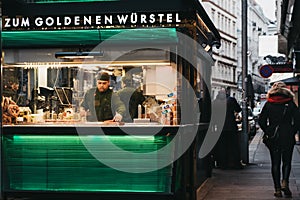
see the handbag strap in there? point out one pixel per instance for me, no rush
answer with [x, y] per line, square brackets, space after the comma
[283, 114]
[277, 127]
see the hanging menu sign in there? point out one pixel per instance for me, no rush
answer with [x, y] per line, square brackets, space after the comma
[90, 21]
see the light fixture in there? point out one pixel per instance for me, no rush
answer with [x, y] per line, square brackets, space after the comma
[207, 48]
[93, 63]
[78, 54]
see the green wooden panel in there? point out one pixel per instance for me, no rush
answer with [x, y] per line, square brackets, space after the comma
[62, 163]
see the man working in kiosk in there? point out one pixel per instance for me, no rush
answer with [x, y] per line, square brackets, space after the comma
[132, 97]
[101, 103]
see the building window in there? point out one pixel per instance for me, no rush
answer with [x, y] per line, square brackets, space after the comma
[234, 50]
[234, 28]
[222, 23]
[213, 15]
[229, 27]
[219, 21]
[233, 7]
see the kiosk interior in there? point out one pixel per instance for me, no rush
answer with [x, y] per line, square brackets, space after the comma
[50, 150]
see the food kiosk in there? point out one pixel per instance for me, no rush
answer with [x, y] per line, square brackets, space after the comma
[51, 53]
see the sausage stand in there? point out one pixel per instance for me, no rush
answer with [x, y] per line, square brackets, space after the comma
[51, 53]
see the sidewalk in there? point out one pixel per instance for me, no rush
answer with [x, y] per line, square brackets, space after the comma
[252, 182]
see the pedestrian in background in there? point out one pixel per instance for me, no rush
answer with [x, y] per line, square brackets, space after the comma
[227, 147]
[131, 97]
[280, 110]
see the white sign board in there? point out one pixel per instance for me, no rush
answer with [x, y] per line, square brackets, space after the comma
[268, 45]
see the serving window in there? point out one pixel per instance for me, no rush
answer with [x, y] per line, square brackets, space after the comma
[47, 89]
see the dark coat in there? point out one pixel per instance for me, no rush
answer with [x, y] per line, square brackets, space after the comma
[227, 153]
[272, 115]
[102, 105]
[232, 107]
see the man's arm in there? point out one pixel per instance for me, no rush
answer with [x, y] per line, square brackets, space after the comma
[84, 105]
[119, 107]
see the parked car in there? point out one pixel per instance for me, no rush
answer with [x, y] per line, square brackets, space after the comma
[251, 123]
[256, 112]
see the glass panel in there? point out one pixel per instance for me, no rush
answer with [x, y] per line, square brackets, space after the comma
[56, 92]
[50, 84]
[62, 163]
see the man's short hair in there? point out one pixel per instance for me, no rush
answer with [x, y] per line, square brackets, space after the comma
[228, 91]
[103, 76]
[127, 80]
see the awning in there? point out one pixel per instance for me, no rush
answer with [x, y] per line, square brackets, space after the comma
[290, 81]
[69, 38]
[26, 10]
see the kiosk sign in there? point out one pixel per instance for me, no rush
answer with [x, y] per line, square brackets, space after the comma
[71, 21]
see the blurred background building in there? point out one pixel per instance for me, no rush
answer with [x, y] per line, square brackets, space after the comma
[227, 72]
[224, 15]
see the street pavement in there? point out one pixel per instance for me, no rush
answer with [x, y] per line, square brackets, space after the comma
[252, 182]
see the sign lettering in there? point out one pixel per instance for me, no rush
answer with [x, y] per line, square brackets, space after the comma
[54, 22]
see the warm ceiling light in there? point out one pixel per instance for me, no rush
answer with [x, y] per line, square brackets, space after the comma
[78, 54]
[91, 64]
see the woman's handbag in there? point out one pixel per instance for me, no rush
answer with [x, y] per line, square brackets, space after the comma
[271, 140]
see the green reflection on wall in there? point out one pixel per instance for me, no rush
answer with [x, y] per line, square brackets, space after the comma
[62, 163]
[55, 38]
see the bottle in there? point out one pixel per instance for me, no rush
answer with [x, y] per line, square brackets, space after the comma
[163, 119]
[54, 116]
[168, 119]
[60, 116]
[139, 111]
[146, 112]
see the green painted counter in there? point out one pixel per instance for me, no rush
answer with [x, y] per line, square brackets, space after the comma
[55, 158]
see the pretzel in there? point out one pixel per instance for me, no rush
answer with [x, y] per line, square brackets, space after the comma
[10, 110]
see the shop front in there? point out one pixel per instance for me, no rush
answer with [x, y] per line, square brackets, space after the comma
[52, 52]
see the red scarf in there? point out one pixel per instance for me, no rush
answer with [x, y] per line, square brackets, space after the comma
[279, 99]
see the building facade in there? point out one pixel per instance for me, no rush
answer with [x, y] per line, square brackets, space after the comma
[224, 73]
[257, 27]
[227, 71]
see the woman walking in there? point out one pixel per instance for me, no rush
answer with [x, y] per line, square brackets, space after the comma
[280, 119]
